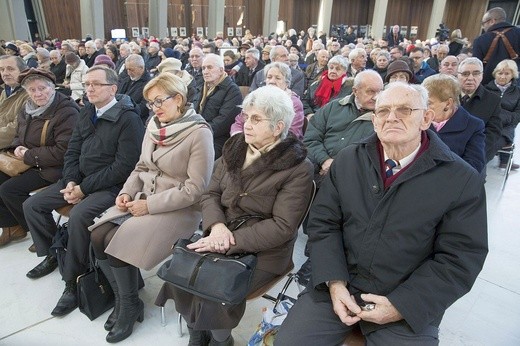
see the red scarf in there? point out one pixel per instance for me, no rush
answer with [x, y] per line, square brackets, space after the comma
[327, 88]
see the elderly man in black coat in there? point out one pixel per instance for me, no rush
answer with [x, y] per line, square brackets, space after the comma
[390, 253]
[218, 100]
[134, 83]
[480, 102]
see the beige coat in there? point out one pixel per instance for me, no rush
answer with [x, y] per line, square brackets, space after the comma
[173, 178]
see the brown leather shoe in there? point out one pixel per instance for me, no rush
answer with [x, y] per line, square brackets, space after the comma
[32, 248]
[10, 234]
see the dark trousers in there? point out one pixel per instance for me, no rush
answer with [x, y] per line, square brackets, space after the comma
[13, 192]
[38, 213]
[314, 323]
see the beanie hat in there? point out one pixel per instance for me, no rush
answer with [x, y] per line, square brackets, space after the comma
[398, 66]
[104, 59]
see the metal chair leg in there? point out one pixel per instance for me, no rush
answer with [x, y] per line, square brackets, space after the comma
[163, 317]
[179, 330]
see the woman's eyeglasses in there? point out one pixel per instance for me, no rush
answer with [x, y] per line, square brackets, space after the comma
[254, 119]
[158, 102]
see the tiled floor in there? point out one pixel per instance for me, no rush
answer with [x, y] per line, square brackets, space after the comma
[488, 315]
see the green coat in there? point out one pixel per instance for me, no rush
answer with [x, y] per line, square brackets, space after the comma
[335, 126]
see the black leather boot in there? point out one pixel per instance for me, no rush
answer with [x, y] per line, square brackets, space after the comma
[199, 337]
[131, 308]
[107, 270]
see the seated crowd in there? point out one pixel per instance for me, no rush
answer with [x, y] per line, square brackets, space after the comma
[188, 133]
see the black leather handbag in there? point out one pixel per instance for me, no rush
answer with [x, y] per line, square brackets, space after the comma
[95, 295]
[213, 276]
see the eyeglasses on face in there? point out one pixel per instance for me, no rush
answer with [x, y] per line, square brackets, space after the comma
[399, 112]
[94, 85]
[254, 119]
[485, 21]
[157, 103]
[466, 74]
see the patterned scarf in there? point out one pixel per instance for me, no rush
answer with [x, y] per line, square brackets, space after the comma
[327, 89]
[164, 134]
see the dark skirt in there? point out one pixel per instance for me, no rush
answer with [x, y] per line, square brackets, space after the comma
[202, 314]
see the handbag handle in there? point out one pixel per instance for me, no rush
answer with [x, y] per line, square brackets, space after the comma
[238, 222]
[92, 262]
[43, 136]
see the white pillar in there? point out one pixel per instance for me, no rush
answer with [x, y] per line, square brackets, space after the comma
[215, 17]
[325, 13]
[378, 20]
[92, 19]
[436, 17]
[158, 18]
[271, 9]
[13, 25]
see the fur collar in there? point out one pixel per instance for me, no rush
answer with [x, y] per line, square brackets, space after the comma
[288, 153]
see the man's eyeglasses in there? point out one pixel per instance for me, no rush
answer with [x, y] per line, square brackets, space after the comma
[158, 102]
[254, 119]
[399, 112]
[94, 85]
[466, 74]
[485, 21]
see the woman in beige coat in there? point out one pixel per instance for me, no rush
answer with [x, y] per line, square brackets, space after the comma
[159, 201]
[264, 172]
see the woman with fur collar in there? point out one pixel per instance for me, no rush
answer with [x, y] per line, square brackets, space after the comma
[261, 172]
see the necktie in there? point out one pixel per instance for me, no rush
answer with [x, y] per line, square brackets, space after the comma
[390, 164]
[464, 99]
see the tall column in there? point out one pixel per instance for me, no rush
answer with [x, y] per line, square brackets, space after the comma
[271, 9]
[324, 16]
[436, 17]
[158, 18]
[92, 18]
[378, 20]
[13, 25]
[215, 17]
[40, 18]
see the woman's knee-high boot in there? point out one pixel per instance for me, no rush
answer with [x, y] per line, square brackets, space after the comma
[107, 270]
[131, 308]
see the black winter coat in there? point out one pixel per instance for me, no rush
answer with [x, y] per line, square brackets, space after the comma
[220, 110]
[102, 156]
[510, 104]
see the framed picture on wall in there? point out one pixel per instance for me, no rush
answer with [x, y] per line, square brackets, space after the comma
[135, 31]
[145, 31]
[173, 31]
[182, 31]
[200, 31]
[230, 32]
[238, 31]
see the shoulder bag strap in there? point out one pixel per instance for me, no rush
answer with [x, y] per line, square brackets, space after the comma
[43, 136]
[507, 44]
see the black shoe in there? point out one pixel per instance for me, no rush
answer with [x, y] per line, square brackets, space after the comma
[68, 301]
[47, 266]
[303, 275]
[514, 166]
[228, 342]
[199, 337]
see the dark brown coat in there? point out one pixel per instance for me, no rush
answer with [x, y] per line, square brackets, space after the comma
[62, 115]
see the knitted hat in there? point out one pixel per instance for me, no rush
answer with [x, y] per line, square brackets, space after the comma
[104, 59]
[36, 72]
[169, 64]
[168, 52]
[398, 66]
